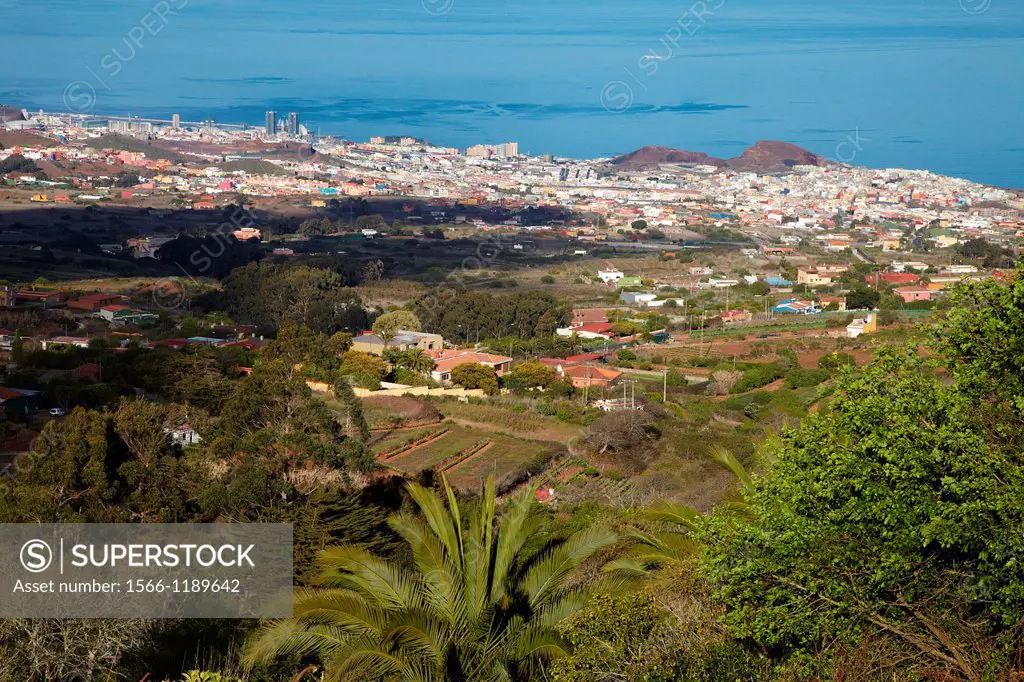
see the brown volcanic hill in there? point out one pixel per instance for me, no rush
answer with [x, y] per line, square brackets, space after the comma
[9, 113]
[25, 138]
[767, 156]
[770, 156]
[653, 156]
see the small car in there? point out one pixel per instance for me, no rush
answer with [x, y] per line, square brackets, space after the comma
[57, 412]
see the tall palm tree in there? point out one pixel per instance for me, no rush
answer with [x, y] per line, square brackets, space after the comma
[480, 602]
[575, 343]
[417, 360]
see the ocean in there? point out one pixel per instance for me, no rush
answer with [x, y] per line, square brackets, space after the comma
[932, 84]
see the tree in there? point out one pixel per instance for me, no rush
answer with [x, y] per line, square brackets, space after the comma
[371, 222]
[981, 339]
[624, 636]
[474, 375]
[357, 362]
[17, 163]
[126, 178]
[389, 324]
[760, 288]
[624, 437]
[354, 422]
[18, 347]
[533, 375]
[266, 294]
[468, 315]
[891, 513]
[639, 224]
[480, 602]
[417, 360]
[273, 418]
[862, 298]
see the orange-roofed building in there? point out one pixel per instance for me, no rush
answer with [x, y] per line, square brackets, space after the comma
[447, 360]
[94, 302]
[591, 376]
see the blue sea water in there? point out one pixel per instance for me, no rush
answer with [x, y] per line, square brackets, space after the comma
[932, 84]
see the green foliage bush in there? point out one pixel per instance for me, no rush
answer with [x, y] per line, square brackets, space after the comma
[835, 360]
[757, 376]
[893, 512]
[801, 378]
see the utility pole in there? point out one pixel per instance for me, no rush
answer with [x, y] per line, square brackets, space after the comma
[664, 384]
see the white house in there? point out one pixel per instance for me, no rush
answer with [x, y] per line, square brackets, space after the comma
[862, 325]
[636, 298]
[718, 283]
[610, 276]
[183, 435]
[961, 269]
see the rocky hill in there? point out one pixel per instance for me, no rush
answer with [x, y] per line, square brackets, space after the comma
[647, 157]
[767, 156]
[9, 113]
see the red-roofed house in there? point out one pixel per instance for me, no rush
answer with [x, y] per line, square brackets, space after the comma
[591, 376]
[892, 278]
[911, 294]
[176, 344]
[559, 364]
[447, 360]
[44, 296]
[581, 316]
[15, 442]
[113, 312]
[593, 330]
[94, 302]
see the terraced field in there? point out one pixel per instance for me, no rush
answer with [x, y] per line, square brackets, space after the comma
[503, 420]
[502, 456]
[504, 459]
[380, 442]
[455, 441]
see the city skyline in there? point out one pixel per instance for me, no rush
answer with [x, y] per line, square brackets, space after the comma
[575, 84]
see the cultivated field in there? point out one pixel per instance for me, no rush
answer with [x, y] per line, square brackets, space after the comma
[466, 455]
[383, 412]
[522, 424]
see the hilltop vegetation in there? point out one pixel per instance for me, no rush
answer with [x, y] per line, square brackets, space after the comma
[784, 514]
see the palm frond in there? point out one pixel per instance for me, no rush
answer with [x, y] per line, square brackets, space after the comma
[441, 519]
[676, 514]
[548, 574]
[725, 458]
[378, 580]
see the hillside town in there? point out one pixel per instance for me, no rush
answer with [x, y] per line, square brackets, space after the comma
[220, 324]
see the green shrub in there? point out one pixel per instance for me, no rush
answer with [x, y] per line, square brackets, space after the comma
[756, 377]
[738, 402]
[834, 361]
[801, 378]
[568, 412]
